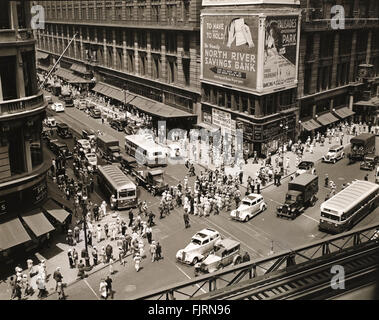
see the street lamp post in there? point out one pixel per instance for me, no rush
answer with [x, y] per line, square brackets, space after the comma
[283, 126]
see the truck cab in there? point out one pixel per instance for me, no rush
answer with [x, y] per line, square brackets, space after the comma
[155, 180]
[109, 148]
[63, 130]
[361, 146]
[301, 194]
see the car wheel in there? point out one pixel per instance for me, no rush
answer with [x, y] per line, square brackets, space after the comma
[246, 219]
[195, 260]
[263, 208]
[238, 261]
[220, 266]
[334, 161]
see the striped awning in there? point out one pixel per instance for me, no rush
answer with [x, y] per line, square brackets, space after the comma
[69, 77]
[311, 125]
[79, 68]
[326, 119]
[12, 233]
[113, 92]
[344, 112]
[37, 222]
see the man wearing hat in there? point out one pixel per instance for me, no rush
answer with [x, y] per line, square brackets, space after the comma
[57, 276]
[131, 218]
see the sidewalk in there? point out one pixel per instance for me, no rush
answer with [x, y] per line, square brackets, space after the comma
[56, 256]
[251, 169]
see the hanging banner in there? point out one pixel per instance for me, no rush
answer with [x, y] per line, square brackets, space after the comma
[229, 50]
[280, 51]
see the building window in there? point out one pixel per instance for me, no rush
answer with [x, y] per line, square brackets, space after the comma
[21, 14]
[156, 61]
[324, 78]
[362, 38]
[130, 61]
[120, 59]
[4, 15]
[220, 97]
[17, 151]
[100, 35]
[8, 77]
[186, 42]
[171, 13]
[186, 71]
[186, 8]
[156, 41]
[119, 37]
[142, 63]
[36, 147]
[109, 36]
[28, 65]
[172, 68]
[322, 106]
[130, 38]
[326, 45]
[108, 13]
[307, 80]
[142, 39]
[171, 42]
[155, 13]
[141, 12]
[345, 43]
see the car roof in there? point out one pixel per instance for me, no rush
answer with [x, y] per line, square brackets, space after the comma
[59, 144]
[156, 172]
[228, 243]
[334, 147]
[253, 196]
[306, 161]
[207, 231]
[83, 141]
[61, 124]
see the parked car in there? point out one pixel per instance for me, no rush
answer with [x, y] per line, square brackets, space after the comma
[89, 135]
[91, 160]
[49, 142]
[81, 104]
[369, 162]
[63, 130]
[50, 122]
[131, 129]
[84, 144]
[57, 107]
[304, 167]
[200, 246]
[334, 154]
[117, 125]
[60, 148]
[250, 206]
[224, 253]
[95, 113]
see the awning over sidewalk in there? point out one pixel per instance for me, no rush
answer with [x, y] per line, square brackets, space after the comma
[68, 76]
[113, 92]
[37, 222]
[41, 55]
[327, 119]
[311, 125]
[56, 211]
[44, 68]
[344, 112]
[159, 109]
[374, 102]
[79, 68]
[209, 127]
[12, 233]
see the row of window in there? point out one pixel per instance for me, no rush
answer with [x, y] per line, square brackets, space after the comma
[132, 64]
[306, 109]
[155, 12]
[132, 37]
[247, 103]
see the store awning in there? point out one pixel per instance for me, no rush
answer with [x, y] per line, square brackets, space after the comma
[311, 125]
[374, 102]
[79, 68]
[44, 68]
[12, 233]
[112, 92]
[41, 55]
[37, 222]
[344, 112]
[55, 211]
[159, 109]
[327, 119]
[210, 127]
[69, 77]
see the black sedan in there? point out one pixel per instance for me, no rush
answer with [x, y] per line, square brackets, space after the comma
[118, 125]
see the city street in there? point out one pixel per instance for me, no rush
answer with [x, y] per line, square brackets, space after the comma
[263, 235]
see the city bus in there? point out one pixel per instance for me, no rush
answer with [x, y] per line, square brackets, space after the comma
[113, 181]
[349, 206]
[145, 150]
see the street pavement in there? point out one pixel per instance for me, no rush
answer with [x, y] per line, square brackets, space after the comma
[262, 236]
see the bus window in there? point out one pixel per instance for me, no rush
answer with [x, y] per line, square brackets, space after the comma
[126, 193]
[329, 216]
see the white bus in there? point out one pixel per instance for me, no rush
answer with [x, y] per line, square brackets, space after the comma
[145, 150]
[113, 181]
[349, 206]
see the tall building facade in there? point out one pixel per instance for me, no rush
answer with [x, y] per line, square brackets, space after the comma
[23, 165]
[331, 83]
[148, 48]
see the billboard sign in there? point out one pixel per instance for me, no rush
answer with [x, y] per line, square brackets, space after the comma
[224, 121]
[229, 50]
[280, 51]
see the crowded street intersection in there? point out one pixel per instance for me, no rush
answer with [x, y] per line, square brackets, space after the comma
[134, 251]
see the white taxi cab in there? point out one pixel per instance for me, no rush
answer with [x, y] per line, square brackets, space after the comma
[201, 245]
[250, 206]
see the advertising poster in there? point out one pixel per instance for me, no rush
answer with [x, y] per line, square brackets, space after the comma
[224, 121]
[229, 50]
[280, 51]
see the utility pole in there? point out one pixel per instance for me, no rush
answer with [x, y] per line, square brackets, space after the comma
[59, 59]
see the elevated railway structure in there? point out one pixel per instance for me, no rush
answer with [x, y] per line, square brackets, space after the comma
[301, 273]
